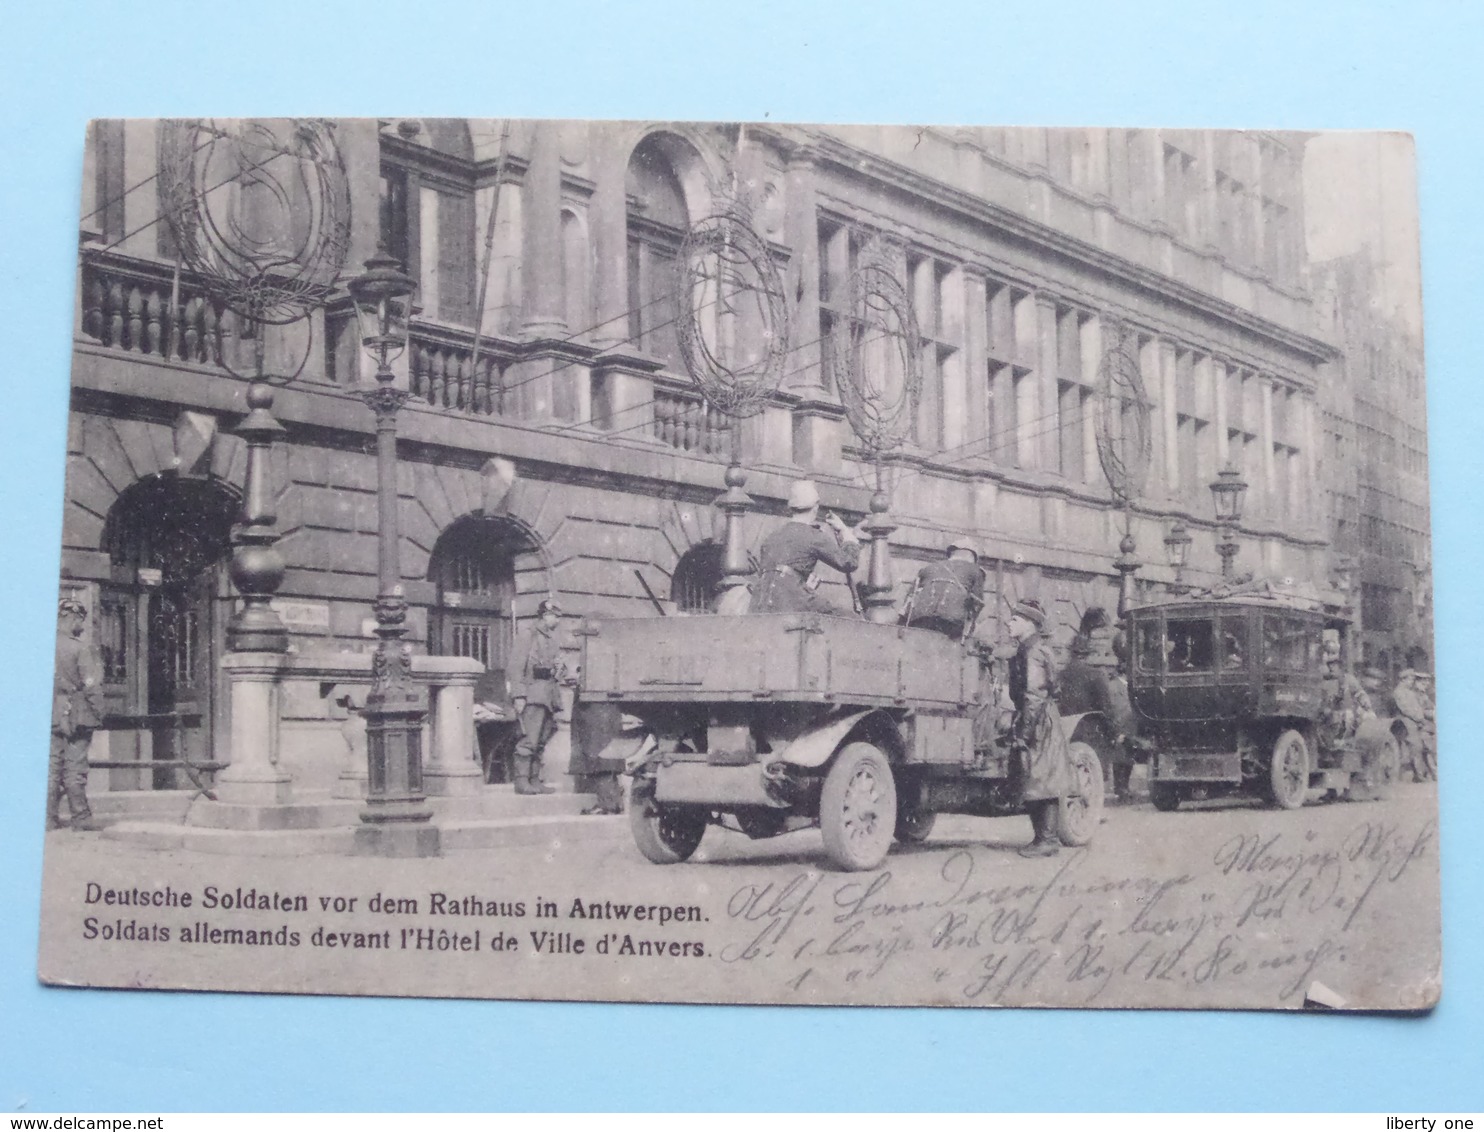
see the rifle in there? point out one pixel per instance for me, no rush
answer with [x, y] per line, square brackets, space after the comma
[649, 592]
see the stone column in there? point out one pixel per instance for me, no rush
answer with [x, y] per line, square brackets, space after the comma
[608, 226]
[453, 766]
[253, 776]
[816, 429]
[1048, 410]
[542, 311]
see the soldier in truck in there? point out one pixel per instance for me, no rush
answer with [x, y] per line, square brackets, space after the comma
[789, 556]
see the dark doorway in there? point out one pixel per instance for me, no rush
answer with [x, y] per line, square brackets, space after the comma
[474, 569]
[163, 618]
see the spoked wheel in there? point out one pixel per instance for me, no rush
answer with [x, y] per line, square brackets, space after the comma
[1288, 774]
[1082, 805]
[1165, 796]
[858, 808]
[665, 834]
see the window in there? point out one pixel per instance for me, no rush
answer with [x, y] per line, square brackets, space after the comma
[1189, 645]
[1233, 642]
[697, 576]
[1149, 646]
[1290, 644]
[657, 220]
[394, 213]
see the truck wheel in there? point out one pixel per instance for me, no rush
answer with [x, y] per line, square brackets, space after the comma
[665, 834]
[1082, 805]
[914, 825]
[1288, 772]
[858, 808]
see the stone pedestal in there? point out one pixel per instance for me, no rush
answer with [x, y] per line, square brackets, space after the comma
[254, 777]
[453, 765]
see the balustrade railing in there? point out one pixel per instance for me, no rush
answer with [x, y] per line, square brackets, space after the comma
[141, 308]
[686, 423]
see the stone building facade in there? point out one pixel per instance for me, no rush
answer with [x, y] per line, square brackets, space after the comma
[573, 456]
[1375, 448]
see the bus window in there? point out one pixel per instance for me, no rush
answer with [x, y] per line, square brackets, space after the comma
[1191, 645]
[1149, 644]
[1287, 643]
[1233, 642]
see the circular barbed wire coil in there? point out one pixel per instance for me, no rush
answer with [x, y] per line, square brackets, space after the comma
[733, 325]
[259, 210]
[876, 356]
[1124, 438]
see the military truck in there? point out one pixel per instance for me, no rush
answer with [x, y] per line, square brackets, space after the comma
[1231, 698]
[769, 723]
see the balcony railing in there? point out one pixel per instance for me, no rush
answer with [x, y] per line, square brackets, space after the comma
[685, 423]
[139, 306]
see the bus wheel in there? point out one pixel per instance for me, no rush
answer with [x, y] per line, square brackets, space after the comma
[1288, 772]
[1082, 805]
[858, 808]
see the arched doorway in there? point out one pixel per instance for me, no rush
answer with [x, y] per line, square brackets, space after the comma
[479, 568]
[162, 619]
[697, 577]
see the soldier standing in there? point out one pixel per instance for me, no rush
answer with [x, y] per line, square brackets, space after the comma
[77, 711]
[1348, 705]
[536, 676]
[789, 555]
[1411, 706]
[1037, 730]
[949, 594]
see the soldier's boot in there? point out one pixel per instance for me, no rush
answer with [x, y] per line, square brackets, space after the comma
[54, 801]
[536, 785]
[1043, 821]
[522, 774]
[77, 803]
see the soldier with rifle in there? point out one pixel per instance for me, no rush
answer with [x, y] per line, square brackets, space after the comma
[948, 594]
[790, 554]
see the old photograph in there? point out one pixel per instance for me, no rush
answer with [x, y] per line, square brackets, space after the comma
[746, 563]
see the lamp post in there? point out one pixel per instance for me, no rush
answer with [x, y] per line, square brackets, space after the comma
[395, 822]
[1126, 564]
[1228, 490]
[1177, 549]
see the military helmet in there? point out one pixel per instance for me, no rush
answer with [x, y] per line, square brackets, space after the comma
[803, 495]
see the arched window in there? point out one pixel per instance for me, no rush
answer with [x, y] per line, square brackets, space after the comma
[577, 304]
[698, 574]
[657, 220]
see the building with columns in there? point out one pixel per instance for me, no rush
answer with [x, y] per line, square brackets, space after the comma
[554, 443]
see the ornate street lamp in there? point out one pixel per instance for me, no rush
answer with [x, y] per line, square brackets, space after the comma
[1177, 549]
[1228, 490]
[1121, 428]
[396, 814]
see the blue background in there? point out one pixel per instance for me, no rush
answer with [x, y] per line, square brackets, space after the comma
[1337, 65]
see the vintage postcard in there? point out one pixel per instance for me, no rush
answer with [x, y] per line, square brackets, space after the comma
[746, 563]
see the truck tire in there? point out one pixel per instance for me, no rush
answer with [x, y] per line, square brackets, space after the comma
[1082, 805]
[858, 808]
[1288, 771]
[665, 834]
[914, 825]
[1165, 796]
